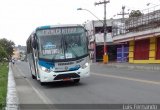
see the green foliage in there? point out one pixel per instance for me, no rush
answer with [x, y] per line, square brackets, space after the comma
[3, 53]
[7, 46]
[3, 84]
[135, 13]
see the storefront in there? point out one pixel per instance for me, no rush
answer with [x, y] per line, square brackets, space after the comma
[111, 51]
[145, 50]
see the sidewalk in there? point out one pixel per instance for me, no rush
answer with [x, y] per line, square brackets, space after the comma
[154, 67]
[12, 100]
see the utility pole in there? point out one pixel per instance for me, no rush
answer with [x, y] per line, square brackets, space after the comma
[105, 56]
[123, 13]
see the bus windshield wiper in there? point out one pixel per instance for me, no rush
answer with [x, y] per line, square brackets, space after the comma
[61, 47]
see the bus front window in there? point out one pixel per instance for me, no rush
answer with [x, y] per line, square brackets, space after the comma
[75, 45]
[60, 44]
[51, 47]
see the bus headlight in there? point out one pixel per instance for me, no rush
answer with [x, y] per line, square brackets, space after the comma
[85, 65]
[45, 69]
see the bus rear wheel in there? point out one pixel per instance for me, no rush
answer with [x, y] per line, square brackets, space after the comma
[33, 77]
[42, 83]
[76, 80]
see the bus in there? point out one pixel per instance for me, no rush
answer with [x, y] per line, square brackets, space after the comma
[58, 53]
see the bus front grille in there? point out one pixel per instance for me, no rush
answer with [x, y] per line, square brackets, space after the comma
[64, 76]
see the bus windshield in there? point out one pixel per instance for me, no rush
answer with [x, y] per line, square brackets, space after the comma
[62, 43]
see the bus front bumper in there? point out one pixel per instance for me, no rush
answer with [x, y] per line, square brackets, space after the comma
[64, 76]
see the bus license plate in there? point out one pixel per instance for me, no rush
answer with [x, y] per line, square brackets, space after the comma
[66, 79]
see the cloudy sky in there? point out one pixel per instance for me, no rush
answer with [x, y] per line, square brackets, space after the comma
[18, 18]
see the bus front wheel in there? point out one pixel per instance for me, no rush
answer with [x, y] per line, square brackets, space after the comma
[33, 77]
[42, 83]
[76, 80]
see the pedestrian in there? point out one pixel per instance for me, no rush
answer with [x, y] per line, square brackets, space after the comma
[13, 61]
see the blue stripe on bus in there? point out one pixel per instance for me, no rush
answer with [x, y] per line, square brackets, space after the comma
[46, 64]
[74, 68]
[43, 27]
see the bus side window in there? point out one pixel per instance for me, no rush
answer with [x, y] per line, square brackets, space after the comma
[34, 42]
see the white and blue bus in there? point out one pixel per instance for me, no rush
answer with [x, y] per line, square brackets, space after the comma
[58, 53]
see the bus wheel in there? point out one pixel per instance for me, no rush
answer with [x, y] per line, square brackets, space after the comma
[33, 77]
[76, 80]
[42, 83]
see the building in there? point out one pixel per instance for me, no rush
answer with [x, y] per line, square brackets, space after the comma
[142, 33]
[15, 54]
[19, 52]
[96, 39]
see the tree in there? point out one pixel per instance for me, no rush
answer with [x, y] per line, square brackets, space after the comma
[8, 46]
[3, 53]
[135, 13]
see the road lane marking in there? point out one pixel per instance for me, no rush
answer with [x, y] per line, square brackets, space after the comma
[128, 78]
[45, 100]
[43, 97]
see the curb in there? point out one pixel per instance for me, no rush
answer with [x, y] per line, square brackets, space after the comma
[140, 67]
[12, 102]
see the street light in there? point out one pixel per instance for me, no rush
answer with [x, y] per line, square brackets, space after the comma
[151, 4]
[90, 13]
[153, 8]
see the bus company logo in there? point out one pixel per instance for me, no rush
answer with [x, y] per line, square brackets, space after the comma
[66, 68]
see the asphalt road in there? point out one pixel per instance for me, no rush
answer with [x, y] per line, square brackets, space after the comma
[106, 85]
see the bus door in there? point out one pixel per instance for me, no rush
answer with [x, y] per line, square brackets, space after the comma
[35, 55]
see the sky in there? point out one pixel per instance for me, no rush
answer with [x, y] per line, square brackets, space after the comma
[18, 18]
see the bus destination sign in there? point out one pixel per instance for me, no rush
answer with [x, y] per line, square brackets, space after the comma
[59, 31]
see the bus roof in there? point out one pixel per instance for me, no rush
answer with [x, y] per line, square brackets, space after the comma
[55, 26]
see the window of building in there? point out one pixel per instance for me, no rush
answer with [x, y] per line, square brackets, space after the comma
[101, 29]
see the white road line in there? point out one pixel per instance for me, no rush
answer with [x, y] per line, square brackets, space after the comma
[128, 78]
[42, 96]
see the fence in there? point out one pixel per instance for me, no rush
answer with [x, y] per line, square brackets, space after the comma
[149, 19]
